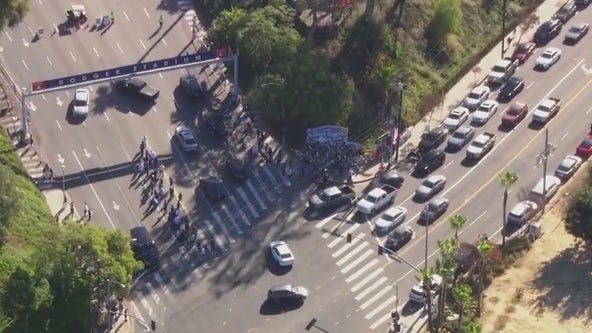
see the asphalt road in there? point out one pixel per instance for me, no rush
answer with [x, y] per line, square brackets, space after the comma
[351, 286]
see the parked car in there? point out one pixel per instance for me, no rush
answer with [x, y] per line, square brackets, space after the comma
[477, 96]
[332, 197]
[392, 178]
[137, 88]
[524, 51]
[568, 166]
[286, 292]
[281, 253]
[548, 58]
[456, 118]
[547, 31]
[418, 293]
[585, 148]
[484, 112]
[522, 213]
[213, 188]
[566, 12]
[510, 89]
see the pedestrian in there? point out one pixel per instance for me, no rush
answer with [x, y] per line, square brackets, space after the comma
[125, 315]
[112, 17]
[351, 173]
[142, 147]
[89, 214]
[171, 192]
[71, 208]
[85, 209]
[160, 21]
[180, 197]
[31, 142]
[50, 175]
[178, 205]
[45, 170]
[160, 183]
[171, 181]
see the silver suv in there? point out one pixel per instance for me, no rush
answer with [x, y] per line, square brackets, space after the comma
[286, 292]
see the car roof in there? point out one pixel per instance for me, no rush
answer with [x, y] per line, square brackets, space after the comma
[518, 105]
[464, 129]
[394, 210]
[522, 206]
[331, 191]
[433, 178]
[140, 235]
[570, 160]
[551, 50]
[438, 201]
[480, 89]
[434, 153]
[81, 94]
[489, 103]
[281, 287]
[459, 110]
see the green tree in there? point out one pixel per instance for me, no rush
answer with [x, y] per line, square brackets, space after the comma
[226, 27]
[446, 19]
[12, 12]
[5, 323]
[457, 222]
[446, 267]
[578, 218]
[425, 277]
[507, 179]
[385, 77]
[463, 296]
[9, 203]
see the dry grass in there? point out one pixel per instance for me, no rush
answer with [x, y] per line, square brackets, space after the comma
[549, 290]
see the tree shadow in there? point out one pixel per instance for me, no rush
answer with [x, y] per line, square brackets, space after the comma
[565, 283]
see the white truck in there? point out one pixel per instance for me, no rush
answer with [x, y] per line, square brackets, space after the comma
[502, 71]
[480, 146]
[376, 199]
[546, 110]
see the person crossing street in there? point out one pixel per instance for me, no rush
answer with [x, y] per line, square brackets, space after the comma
[160, 21]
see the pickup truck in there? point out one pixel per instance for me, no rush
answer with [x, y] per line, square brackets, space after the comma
[332, 197]
[546, 110]
[135, 86]
[502, 71]
[480, 146]
[376, 199]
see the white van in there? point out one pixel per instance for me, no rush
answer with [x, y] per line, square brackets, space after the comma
[552, 183]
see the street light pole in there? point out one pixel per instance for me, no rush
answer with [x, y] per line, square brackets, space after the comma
[503, 27]
[543, 157]
[400, 88]
[109, 282]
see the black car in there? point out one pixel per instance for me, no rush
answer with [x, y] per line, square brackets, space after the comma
[215, 123]
[392, 178]
[566, 12]
[286, 292]
[397, 238]
[143, 247]
[213, 188]
[138, 88]
[237, 169]
[433, 210]
[432, 139]
[191, 86]
[510, 89]
[583, 3]
[547, 31]
[429, 162]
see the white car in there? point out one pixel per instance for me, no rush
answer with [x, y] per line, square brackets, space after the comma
[485, 111]
[477, 96]
[418, 293]
[456, 118]
[568, 166]
[390, 219]
[281, 253]
[80, 103]
[186, 138]
[431, 186]
[548, 58]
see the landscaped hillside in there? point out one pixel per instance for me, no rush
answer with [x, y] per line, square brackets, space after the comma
[426, 43]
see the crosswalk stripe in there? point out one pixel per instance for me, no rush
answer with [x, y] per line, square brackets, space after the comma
[324, 221]
[161, 283]
[231, 219]
[267, 170]
[270, 197]
[145, 305]
[351, 254]
[346, 246]
[240, 212]
[362, 270]
[153, 293]
[380, 307]
[256, 195]
[380, 321]
[356, 262]
[252, 209]
[221, 224]
[339, 239]
[376, 296]
[367, 279]
[371, 288]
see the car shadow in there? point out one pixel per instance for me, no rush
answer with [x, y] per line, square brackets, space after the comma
[274, 308]
[108, 98]
[505, 128]
[410, 308]
[419, 200]
[469, 162]
[535, 126]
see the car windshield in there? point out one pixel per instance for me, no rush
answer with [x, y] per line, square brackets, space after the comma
[389, 216]
[190, 141]
[458, 135]
[285, 255]
[587, 143]
[514, 111]
[80, 102]
[547, 55]
[565, 166]
[431, 207]
[498, 69]
[432, 136]
[575, 29]
[473, 95]
[522, 48]
[454, 115]
[483, 108]
[477, 144]
[372, 198]
[430, 183]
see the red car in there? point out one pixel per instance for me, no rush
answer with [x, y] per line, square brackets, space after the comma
[515, 114]
[524, 51]
[585, 147]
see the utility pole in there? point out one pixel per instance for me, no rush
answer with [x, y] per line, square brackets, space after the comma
[400, 89]
[425, 266]
[504, 10]
[542, 158]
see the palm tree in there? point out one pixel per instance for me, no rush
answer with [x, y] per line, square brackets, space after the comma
[445, 266]
[484, 247]
[457, 222]
[507, 179]
[5, 322]
[385, 76]
[463, 295]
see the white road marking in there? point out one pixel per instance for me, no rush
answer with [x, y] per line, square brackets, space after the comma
[160, 74]
[589, 110]
[55, 29]
[31, 31]
[40, 2]
[447, 165]
[8, 36]
[59, 126]
[72, 55]
[376, 297]
[119, 47]
[43, 96]
[96, 52]
[231, 219]
[145, 304]
[222, 226]
[92, 188]
[146, 12]
[154, 109]
[67, 93]
[25, 43]
[164, 41]
[358, 260]
[106, 116]
[48, 60]
[564, 136]
[367, 279]
[530, 85]
[25, 64]
[161, 283]
[346, 247]
[250, 206]
[84, 123]
[339, 239]
[269, 173]
[256, 195]
[125, 14]
[240, 212]
[370, 289]
[380, 308]
[380, 321]
[270, 197]
[59, 101]
[153, 293]
[352, 253]
[325, 221]
[362, 270]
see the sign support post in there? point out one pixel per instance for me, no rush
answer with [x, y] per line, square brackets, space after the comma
[24, 117]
